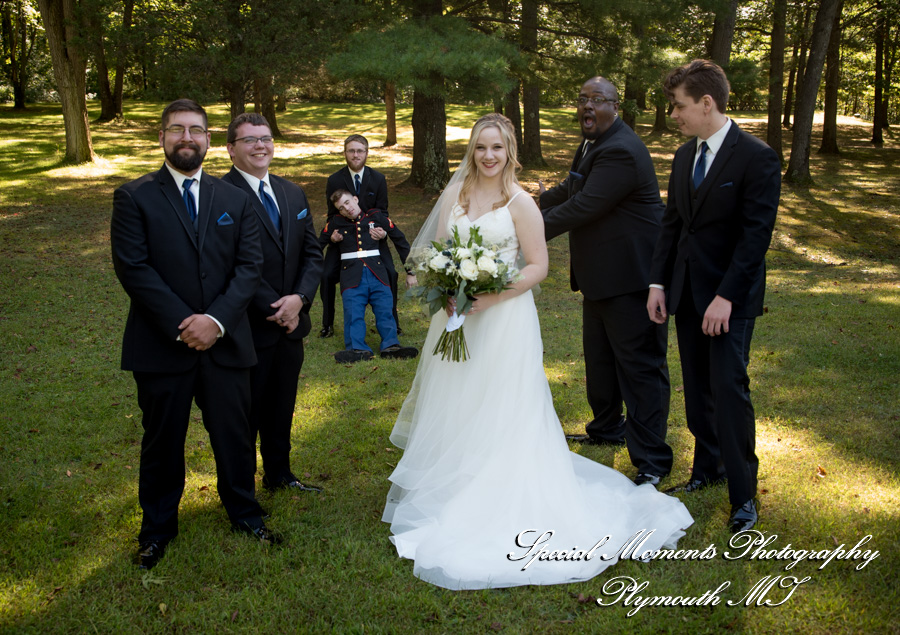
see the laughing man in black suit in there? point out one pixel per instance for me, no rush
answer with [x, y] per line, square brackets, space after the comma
[611, 208]
[709, 270]
[279, 312]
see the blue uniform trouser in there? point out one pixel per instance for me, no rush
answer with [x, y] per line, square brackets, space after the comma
[377, 294]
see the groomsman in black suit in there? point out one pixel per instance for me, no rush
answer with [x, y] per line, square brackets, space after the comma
[370, 187]
[279, 311]
[709, 270]
[610, 206]
[185, 247]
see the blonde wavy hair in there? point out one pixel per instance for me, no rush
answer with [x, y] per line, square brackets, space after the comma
[508, 176]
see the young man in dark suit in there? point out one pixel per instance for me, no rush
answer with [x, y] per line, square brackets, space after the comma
[185, 247]
[370, 187]
[610, 206]
[279, 311]
[709, 271]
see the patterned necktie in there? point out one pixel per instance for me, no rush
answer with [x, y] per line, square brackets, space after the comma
[189, 199]
[269, 204]
[356, 183]
[700, 168]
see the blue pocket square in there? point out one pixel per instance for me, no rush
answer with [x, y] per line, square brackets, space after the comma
[576, 176]
[729, 184]
[225, 219]
[303, 214]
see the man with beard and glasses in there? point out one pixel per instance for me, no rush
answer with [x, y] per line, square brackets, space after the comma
[186, 249]
[611, 208]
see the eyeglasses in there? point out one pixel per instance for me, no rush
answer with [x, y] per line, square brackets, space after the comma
[178, 130]
[355, 151]
[251, 141]
[595, 100]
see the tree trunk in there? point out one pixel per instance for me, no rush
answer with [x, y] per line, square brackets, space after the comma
[832, 81]
[18, 44]
[430, 169]
[723, 34]
[513, 112]
[798, 166]
[69, 66]
[531, 154]
[122, 55]
[776, 77]
[235, 93]
[659, 122]
[632, 90]
[390, 113]
[267, 104]
[94, 27]
[789, 93]
[879, 118]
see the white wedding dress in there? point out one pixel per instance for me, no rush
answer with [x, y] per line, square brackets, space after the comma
[486, 459]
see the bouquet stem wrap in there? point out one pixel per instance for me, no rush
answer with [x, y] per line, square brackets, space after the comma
[452, 342]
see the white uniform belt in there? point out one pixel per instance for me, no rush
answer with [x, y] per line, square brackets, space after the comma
[360, 254]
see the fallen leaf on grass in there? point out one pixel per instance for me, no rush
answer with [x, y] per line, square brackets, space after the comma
[820, 471]
[69, 473]
[163, 607]
[234, 615]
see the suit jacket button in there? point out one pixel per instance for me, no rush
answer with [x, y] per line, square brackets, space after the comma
[203, 276]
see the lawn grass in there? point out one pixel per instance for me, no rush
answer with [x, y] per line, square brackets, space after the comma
[824, 368]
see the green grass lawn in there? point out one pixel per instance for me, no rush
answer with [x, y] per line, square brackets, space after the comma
[824, 369]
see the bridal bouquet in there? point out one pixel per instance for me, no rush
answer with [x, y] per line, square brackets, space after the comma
[459, 269]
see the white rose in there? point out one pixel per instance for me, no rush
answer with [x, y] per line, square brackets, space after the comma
[463, 252]
[487, 265]
[489, 253]
[468, 269]
[439, 262]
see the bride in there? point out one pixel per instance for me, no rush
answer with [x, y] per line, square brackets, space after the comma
[487, 493]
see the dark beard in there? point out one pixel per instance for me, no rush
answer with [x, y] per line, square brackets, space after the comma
[186, 163]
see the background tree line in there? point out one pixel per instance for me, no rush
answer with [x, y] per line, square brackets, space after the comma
[790, 57]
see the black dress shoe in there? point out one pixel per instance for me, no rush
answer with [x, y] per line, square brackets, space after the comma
[694, 485]
[589, 440]
[290, 483]
[327, 331]
[150, 553]
[743, 517]
[643, 477]
[399, 352]
[351, 356]
[261, 533]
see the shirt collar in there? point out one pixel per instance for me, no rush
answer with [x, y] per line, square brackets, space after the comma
[180, 178]
[254, 181]
[716, 139]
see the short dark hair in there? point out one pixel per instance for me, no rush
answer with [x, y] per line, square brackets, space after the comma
[337, 194]
[700, 77]
[183, 105]
[358, 138]
[253, 118]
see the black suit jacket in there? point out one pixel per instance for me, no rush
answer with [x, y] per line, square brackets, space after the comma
[611, 207]
[292, 262]
[357, 238]
[170, 272]
[372, 191]
[719, 234]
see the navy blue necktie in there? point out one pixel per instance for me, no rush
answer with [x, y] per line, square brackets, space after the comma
[356, 183]
[700, 168]
[269, 204]
[189, 199]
